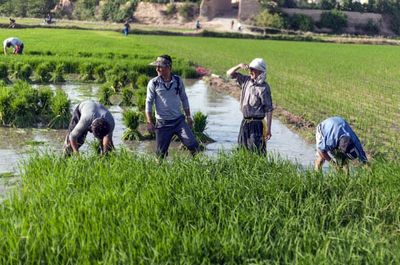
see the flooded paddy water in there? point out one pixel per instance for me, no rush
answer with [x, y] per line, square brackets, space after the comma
[224, 119]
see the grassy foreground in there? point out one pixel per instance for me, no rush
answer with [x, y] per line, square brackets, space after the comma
[235, 209]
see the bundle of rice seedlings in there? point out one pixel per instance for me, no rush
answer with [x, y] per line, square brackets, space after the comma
[58, 74]
[131, 120]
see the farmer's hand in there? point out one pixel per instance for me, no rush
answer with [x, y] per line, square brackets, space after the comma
[244, 66]
[268, 135]
[150, 127]
[189, 122]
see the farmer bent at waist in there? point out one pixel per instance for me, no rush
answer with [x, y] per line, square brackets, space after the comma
[255, 104]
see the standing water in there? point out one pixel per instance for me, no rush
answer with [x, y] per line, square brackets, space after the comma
[224, 119]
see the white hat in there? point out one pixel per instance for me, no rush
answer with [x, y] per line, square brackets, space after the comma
[258, 64]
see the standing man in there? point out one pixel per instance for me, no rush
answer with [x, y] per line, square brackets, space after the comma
[90, 116]
[126, 28]
[15, 43]
[255, 104]
[337, 143]
[167, 93]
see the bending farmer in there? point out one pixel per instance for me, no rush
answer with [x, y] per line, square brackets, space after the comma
[90, 116]
[15, 43]
[167, 93]
[255, 104]
[336, 142]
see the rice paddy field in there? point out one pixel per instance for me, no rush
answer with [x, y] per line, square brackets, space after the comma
[236, 208]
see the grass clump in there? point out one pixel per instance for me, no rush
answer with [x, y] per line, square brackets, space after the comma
[3, 72]
[199, 126]
[60, 107]
[87, 71]
[233, 209]
[43, 72]
[105, 93]
[58, 74]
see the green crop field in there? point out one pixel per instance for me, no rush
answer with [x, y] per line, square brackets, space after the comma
[235, 208]
[311, 80]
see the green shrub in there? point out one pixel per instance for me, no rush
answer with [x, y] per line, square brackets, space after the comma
[300, 22]
[187, 11]
[117, 77]
[60, 108]
[44, 98]
[265, 19]
[170, 10]
[43, 72]
[371, 28]
[334, 20]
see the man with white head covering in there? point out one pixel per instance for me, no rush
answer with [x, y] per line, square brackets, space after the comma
[255, 104]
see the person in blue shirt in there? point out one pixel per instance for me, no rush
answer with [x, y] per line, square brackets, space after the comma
[337, 143]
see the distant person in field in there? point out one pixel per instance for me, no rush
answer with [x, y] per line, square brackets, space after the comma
[198, 26]
[90, 116]
[239, 26]
[167, 93]
[18, 46]
[12, 23]
[337, 143]
[126, 28]
[255, 104]
[232, 23]
[48, 19]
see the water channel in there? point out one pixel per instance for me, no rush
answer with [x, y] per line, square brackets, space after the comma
[224, 119]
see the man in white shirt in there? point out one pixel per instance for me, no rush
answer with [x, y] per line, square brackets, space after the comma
[15, 43]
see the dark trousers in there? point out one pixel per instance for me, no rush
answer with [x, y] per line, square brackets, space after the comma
[251, 135]
[165, 130]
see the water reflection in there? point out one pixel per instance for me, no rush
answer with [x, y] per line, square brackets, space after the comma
[224, 119]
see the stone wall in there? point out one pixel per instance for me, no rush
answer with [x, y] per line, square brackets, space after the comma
[248, 9]
[214, 8]
[354, 19]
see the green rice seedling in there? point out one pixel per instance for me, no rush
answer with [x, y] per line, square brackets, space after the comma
[3, 71]
[58, 74]
[132, 77]
[87, 71]
[142, 81]
[5, 108]
[199, 126]
[44, 99]
[105, 92]
[128, 96]
[118, 77]
[23, 72]
[131, 120]
[60, 108]
[43, 72]
[140, 98]
[100, 73]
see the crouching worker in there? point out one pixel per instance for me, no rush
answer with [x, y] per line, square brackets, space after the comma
[167, 93]
[255, 104]
[17, 44]
[337, 143]
[90, 116]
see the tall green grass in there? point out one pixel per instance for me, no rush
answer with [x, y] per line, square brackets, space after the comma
[234, 209]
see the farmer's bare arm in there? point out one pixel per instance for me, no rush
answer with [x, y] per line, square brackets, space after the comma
[269, 121]
[74, 145]
[107, 144]
[188, 118]
[150, 124]
[236, 68]
[321, 157]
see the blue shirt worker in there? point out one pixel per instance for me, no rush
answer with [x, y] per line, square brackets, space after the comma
[14, 42]
[255, 104]
[167, 93]
[90, 116]
[336, 142]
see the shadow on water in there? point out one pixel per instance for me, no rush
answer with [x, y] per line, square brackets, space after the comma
[224, 119]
